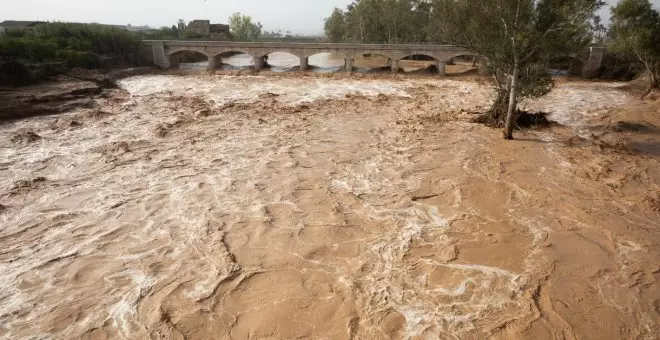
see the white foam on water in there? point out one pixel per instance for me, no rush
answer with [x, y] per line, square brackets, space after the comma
[225, 89]
[122, 312]
[572, 104]
[433, 214]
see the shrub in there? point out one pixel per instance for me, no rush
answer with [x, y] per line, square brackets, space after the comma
[13, 73]
[75, 58]
[79, 45]
[27, 48]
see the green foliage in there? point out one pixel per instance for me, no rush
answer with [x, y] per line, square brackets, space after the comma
[243, 29]
[335, 26]
[519, 38]
[381, 21]
[75, 58]
[182, 29]
[77, 44]
[636, 33]
[15, 32]
[28, 48]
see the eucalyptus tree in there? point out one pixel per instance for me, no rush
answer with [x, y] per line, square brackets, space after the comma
[335, 26]
[518, 38]
[243, 29]
[380, 21]
[636, 32]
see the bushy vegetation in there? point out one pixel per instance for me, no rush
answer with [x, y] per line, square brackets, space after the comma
[79, 45]
[635, 33]
[243, 29]
[383, 21]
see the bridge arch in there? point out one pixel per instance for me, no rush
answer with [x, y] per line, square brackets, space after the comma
[224, 52]
[324, 57]
[368, 54]
[342, 54]
[450, 57]
[289, 52]
[191, 57]
[176, 50]
[376, 61]
[465, 63]
[282, 60]
[417, 62]
[265, 53]
[405, 55]
[220, 59]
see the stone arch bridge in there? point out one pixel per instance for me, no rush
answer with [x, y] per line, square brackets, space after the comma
[164, 50]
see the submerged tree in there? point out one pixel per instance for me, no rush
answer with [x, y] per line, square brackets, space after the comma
[243, 29]
[518, 38]
[636, 32]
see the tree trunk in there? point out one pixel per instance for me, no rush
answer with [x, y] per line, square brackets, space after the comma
[653, 80]
[653, 76]
[513, 97]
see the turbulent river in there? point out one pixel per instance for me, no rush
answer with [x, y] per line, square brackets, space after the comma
[217, 207]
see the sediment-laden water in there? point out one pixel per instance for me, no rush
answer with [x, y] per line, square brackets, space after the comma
[198, 207]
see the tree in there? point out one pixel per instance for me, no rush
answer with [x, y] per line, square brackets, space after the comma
[636, 32]
[380, 21]
[243, 29]
[518, 38]
[599, 30]
[335, 26]
[182, 29]
[419, 22]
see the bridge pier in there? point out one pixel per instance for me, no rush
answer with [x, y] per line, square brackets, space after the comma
[170, 61]
[304, 64]
[394, 65]
[440, 65]
[259, 62]
[348, 65]
[213, 62]
[159, 56]
[595, 61]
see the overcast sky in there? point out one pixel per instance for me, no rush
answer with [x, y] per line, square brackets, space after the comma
[297, 16]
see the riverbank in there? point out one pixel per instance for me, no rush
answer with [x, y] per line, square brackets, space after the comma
[71, 90]
[365, 207]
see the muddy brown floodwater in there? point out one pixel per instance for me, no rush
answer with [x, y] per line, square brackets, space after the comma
[218, 207]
